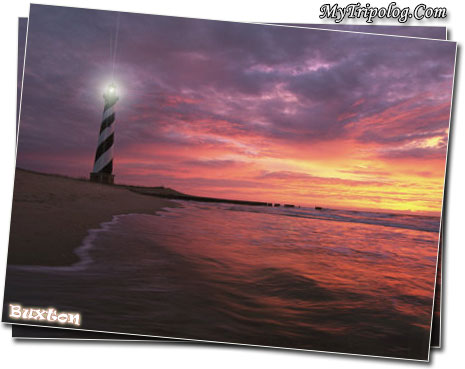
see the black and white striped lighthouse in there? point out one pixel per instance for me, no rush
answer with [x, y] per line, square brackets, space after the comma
[103, 163]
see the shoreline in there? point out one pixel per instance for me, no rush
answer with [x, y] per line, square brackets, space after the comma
[52, 214]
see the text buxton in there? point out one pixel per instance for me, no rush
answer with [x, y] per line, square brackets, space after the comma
[44, 315]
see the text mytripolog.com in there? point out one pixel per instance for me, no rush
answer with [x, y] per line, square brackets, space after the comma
[370, 13]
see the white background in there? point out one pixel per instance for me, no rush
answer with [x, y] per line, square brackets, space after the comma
[53, 354]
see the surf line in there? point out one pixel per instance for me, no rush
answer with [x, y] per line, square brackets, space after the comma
[82, 251]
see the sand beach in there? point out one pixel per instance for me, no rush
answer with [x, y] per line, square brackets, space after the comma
[51, 215]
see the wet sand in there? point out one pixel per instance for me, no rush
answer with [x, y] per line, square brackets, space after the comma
[51, 215]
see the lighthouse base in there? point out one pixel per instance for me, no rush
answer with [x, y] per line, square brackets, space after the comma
[104, 178]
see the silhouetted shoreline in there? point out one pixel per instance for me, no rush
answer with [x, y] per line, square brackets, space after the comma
[167, 194]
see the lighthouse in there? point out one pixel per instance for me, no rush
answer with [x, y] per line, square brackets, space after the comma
[103, 162]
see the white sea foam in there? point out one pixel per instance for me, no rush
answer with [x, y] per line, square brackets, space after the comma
[82, 251]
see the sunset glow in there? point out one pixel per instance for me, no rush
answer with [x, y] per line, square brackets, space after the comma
[272, 114]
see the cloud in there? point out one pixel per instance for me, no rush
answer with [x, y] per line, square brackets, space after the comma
[240, 99]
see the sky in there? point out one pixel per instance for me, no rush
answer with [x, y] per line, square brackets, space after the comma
[241, 111]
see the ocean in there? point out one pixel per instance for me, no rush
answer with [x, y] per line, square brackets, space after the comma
[326, 280]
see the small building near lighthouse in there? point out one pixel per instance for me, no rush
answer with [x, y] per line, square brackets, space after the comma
[103, 162]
